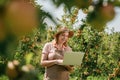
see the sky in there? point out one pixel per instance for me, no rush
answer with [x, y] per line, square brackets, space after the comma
[48, 6]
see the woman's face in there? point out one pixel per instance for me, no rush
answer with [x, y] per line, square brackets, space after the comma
[63, 37]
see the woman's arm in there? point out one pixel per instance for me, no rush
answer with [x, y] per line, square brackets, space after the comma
[44, 57]
[46, 63]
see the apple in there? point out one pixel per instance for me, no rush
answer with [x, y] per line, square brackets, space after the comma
[21, 17]
[107, 12]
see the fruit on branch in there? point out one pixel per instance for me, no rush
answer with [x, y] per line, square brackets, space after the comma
[110, 76]
[74, 15]
[86, 73]
[21, 17]
[85, 11]
[12, 69]
[96, 21]
[107, 12]
[88, 10]
[27, 68]
[15, 71]
[79, 32]
[101, 15]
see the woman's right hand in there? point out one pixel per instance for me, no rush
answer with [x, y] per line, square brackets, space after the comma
[59, 61]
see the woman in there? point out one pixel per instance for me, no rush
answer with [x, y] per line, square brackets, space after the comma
[52, 56]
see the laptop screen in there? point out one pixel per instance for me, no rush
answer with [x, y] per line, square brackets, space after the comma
[73, 58]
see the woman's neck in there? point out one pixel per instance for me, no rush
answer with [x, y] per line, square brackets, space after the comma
[60, 45]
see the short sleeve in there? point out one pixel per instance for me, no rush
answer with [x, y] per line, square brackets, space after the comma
[46, 48]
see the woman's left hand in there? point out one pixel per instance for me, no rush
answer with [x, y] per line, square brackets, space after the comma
[70, 68]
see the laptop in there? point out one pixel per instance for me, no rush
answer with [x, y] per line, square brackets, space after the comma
[73, 58]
